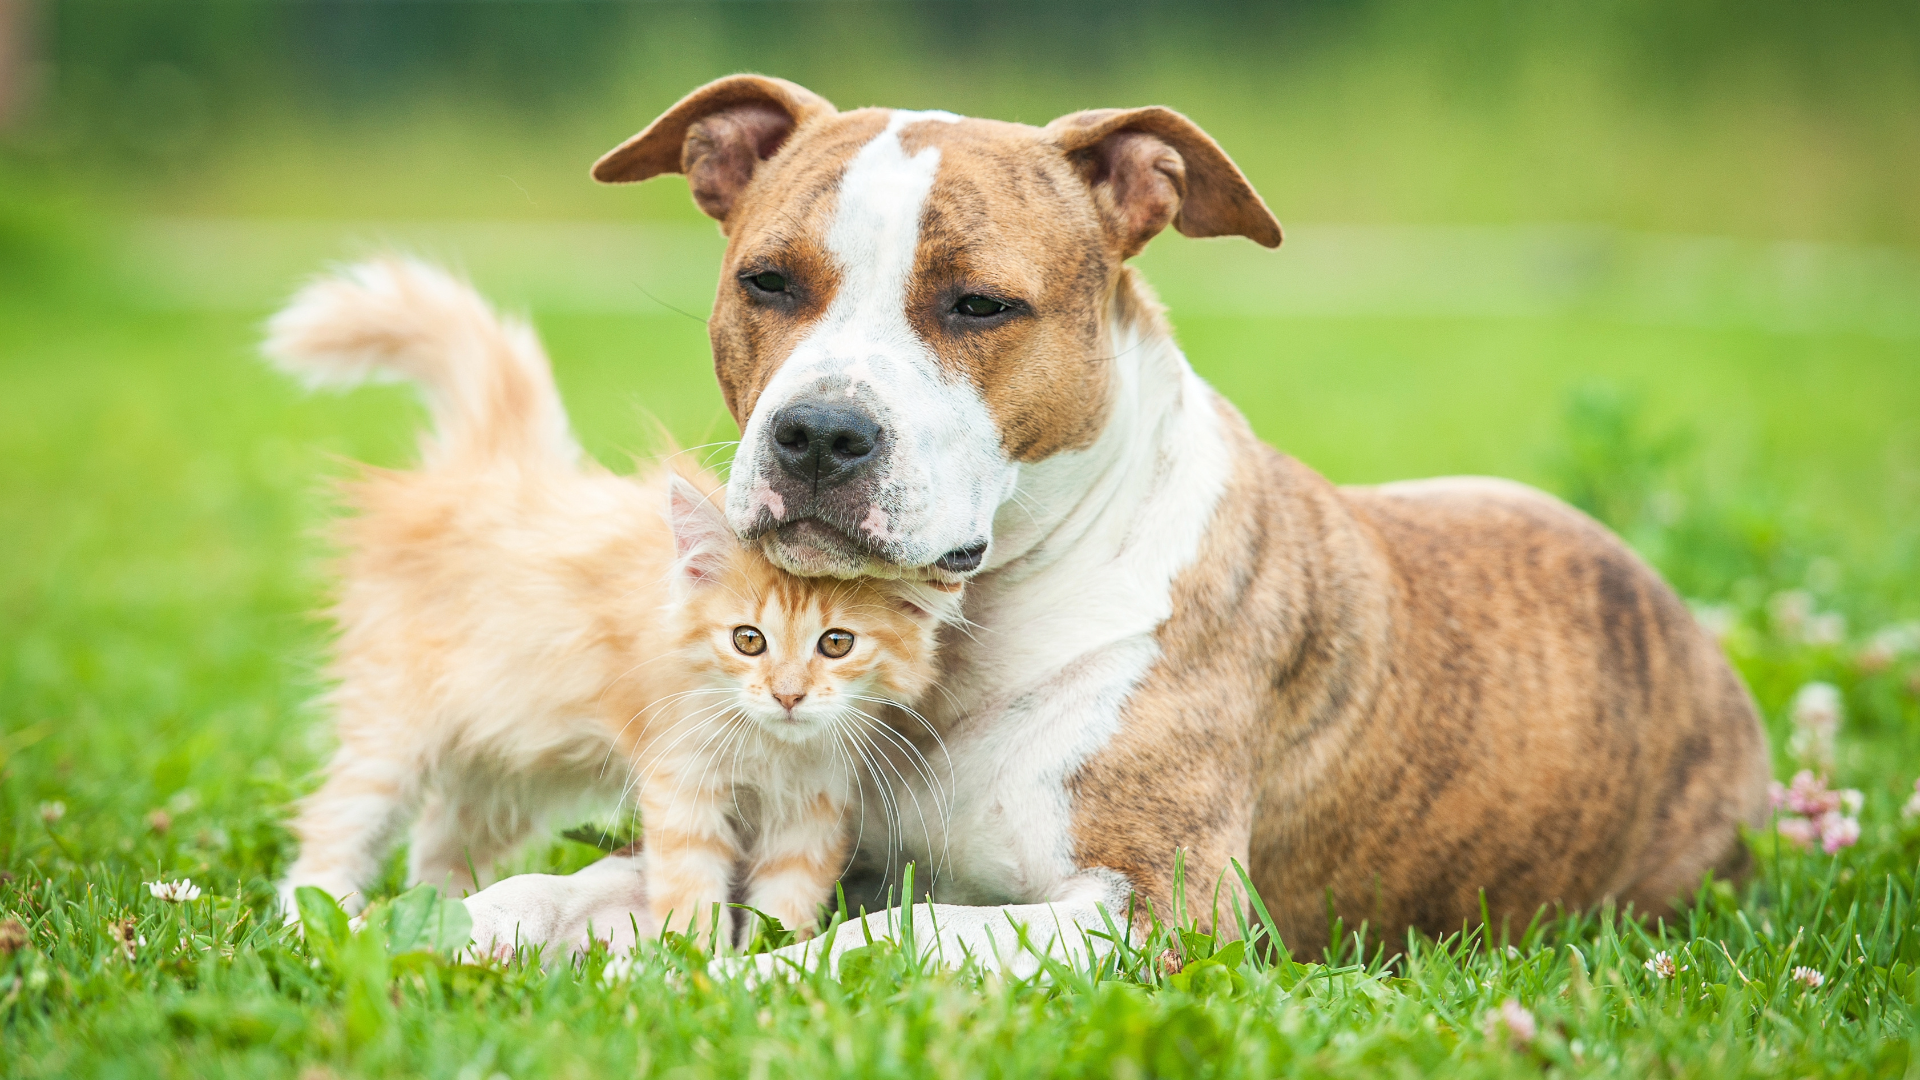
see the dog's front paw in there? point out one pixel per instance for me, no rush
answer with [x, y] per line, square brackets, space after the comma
[515, 914]
[619, 931]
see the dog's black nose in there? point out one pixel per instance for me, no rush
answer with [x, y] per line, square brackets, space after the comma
[824, 443]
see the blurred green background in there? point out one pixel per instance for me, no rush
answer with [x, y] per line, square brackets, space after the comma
[1661, 256]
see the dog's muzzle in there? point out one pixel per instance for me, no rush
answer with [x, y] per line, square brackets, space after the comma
[825, 497]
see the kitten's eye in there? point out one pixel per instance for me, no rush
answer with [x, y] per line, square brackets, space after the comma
[749, 641]
[980, 307]
[835, 644]
[771, 281]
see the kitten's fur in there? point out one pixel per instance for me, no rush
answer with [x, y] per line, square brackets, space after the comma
[524, 635]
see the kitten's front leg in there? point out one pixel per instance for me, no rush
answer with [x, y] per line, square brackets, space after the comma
[797, 860]
[690, 849]
[346, 828]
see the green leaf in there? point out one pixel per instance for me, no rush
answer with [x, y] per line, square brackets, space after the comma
[1206, 978]
[366, 971]
[606, 840]
[1231, 956]
[420, 920]
[876, 968]
[322, 920]
[769, 934]
[1196, 946]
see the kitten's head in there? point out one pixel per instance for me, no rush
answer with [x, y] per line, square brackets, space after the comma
[800, 655]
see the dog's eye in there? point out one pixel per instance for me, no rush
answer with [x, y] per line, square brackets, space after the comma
[768, 281]
[835, 644]
[750, 641]
[980, 307]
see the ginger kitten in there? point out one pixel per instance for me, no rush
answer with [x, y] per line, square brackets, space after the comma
[524, 635]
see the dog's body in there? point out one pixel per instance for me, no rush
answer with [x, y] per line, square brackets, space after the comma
[1179, 639]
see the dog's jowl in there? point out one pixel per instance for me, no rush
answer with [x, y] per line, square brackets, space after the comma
[1178, 639]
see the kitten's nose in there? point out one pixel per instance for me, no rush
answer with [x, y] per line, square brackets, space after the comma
[788, 701]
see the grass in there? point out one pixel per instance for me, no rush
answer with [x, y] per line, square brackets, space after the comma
[158, 571]
[158, 577]
[1740, 409]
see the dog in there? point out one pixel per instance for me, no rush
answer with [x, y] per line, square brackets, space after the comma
[1402, 705]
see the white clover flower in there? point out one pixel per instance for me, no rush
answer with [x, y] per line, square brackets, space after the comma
[1809, 977]
[1826, 628]
[1888, 644]
[51, 812]
[1719, 620]
[1816, 713]
[1817, 707]
[1661, 965]
[1514, 1019]
[1789, 611]
[1912, 809]
[174, 892]
[618, 970]
[1793, 617]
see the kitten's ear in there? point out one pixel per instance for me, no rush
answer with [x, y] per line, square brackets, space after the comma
[702, 539]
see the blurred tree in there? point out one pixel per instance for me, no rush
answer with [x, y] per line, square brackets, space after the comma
[16, 56]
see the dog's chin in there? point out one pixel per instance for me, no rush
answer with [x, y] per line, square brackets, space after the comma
[812, 549]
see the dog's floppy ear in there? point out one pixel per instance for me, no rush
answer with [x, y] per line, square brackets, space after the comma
[717, 135]
[1151, 167]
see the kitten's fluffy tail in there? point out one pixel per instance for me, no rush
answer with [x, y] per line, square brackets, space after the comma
[486, 380]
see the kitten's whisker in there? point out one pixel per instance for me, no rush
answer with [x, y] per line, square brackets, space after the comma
[680, 785]
[853, 779]
[738, 730]
[685, 726]
[733, 767]
[885, 774]
[890, 808]
[852, 749]
[943, 801]
[921, 767]
[946, 811]
[683, 451]
[677, 724]
[615, 745]
[693, 724]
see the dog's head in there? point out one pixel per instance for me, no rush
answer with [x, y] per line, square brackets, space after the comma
[913, 303]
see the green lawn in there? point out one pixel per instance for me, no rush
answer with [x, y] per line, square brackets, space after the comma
[159, 495]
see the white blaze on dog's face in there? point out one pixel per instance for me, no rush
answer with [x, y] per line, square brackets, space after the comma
[863, 434]
[913, 304]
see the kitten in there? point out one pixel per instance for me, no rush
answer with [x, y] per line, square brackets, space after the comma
[524, 635]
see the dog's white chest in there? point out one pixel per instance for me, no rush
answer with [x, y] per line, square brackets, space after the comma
[989, 814]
